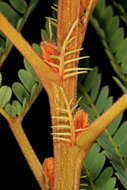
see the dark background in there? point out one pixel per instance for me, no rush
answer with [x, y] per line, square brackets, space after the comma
[13, 167]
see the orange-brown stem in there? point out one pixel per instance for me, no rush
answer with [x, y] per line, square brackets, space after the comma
[27, 150]
[66, 156]
[43, 71]
[98, 126]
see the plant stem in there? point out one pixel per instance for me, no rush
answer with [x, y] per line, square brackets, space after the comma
[106, 131]
[120, 84]
[100, 124]
[19, 28]
[27, 150]
[41, 68]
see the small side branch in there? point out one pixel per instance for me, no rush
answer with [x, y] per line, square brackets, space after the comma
[42, 70]
[100, 124]
[28, 151]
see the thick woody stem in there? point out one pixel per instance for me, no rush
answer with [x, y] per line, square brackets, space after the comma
[66, 175]
[64, 156]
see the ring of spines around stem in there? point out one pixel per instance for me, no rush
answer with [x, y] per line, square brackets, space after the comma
[65, 73]
[69, 128]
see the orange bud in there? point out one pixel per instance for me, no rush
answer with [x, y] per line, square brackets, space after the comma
[49, 169]
[81, 120]
[49, 48]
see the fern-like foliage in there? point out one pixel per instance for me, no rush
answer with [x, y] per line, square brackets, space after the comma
[26, 91]
[121, 6]
[29, 87]
[95, 101]
[17, 12]
[95, 175]
[112, 37]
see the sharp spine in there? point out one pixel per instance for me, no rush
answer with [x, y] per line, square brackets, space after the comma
[55, 57]
[73, 51]
[52, 64]
[61, 134]
[60, 117]
[76, 104]
[80, 130]
[61, 126]
[62, 139]
[74, 74]
[53, 19]
[75, 69]
[62, 110]
[75, 59]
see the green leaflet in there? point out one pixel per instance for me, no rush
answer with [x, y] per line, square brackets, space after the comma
[93, 170]
[121, 52]
[27, 79]
[95, 166]
[9, 12]
[29, 69]
[5, 95]
[88, 82]
[121, 139]
[28, 66]
[29, 88]
[110, 138]
[2, 45]
[95, 89]
[34, 90]
[19, 5]
[17, 106]
[20, 92]
[17, 12]
[11, 110]
[116, 39]
[101, 101]
[107, 26]
[44, 35]
[105, 181]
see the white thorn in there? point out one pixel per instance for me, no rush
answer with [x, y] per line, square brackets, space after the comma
[55, 5]
[76, 69]
[61, 127]
[75, 59]
[55, 57]
[61, 117]
[52, 64]
[61, 134]
[54, 8]
[83, 184]
[73, 51]
[61, 139]
[81, 129]
[82, 177]
[71, 30]
[74, 74]
[53, 19]
[67, 42]
[75, 106]
[70, 102]
[62, 110]
[53, 23]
